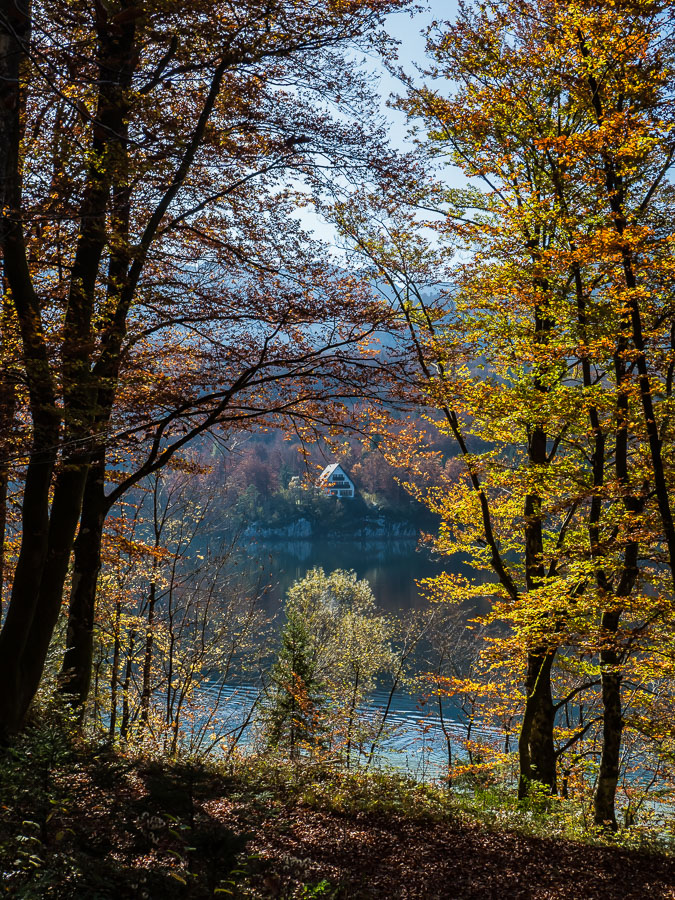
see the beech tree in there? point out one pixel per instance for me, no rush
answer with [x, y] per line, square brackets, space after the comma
[549, 340]
[153, 156]
[178, 617]
[588, 188]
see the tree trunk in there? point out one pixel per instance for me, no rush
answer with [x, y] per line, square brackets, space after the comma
[47, 539]
[612, 718]
[126, 687]
[75, 677]
[115, 668]
[605, 794]
[15, 692]
[612, 729]
[7, 412]
[350, 723]
[15, 32]
[536, 749]
[4, 483]
[65, 514]
[147, 659]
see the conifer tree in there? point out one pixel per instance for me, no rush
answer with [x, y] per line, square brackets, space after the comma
[292, 715]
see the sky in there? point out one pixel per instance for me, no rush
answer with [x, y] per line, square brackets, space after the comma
[408, 31]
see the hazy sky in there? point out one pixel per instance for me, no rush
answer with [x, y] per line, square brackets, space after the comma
[408, 31]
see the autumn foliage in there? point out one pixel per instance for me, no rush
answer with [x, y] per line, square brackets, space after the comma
[504, 351]
[538, 302]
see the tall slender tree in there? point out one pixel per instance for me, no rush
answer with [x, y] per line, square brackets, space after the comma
[547, 356]
[564, 113]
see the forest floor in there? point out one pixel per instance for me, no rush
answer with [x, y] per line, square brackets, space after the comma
[94, 825]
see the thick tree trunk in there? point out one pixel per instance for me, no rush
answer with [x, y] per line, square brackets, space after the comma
[536, 749]
[48, 538]
[15, 692]
[65, 514]
[15, 31]
[75, 677]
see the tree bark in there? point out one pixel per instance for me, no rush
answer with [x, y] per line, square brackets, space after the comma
[15, 32]
[536, 749]
[612, 729]
[75, 677]
[65, 514]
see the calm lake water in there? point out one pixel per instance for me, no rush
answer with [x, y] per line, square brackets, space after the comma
[392, 566]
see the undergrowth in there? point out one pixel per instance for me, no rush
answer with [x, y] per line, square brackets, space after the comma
[387, 792]
[81, 820]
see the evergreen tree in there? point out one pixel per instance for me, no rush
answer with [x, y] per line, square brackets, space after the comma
[292, 716]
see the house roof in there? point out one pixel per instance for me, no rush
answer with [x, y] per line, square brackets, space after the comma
[331, 469]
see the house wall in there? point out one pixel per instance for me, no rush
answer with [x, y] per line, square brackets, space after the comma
[338, 485]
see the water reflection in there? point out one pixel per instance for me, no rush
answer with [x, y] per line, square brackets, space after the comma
[392, 567]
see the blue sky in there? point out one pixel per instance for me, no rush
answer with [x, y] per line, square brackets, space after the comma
[409, 32]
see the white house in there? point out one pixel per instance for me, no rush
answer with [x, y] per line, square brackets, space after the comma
[335, 481]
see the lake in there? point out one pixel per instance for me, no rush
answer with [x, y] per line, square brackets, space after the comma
[393, 568]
